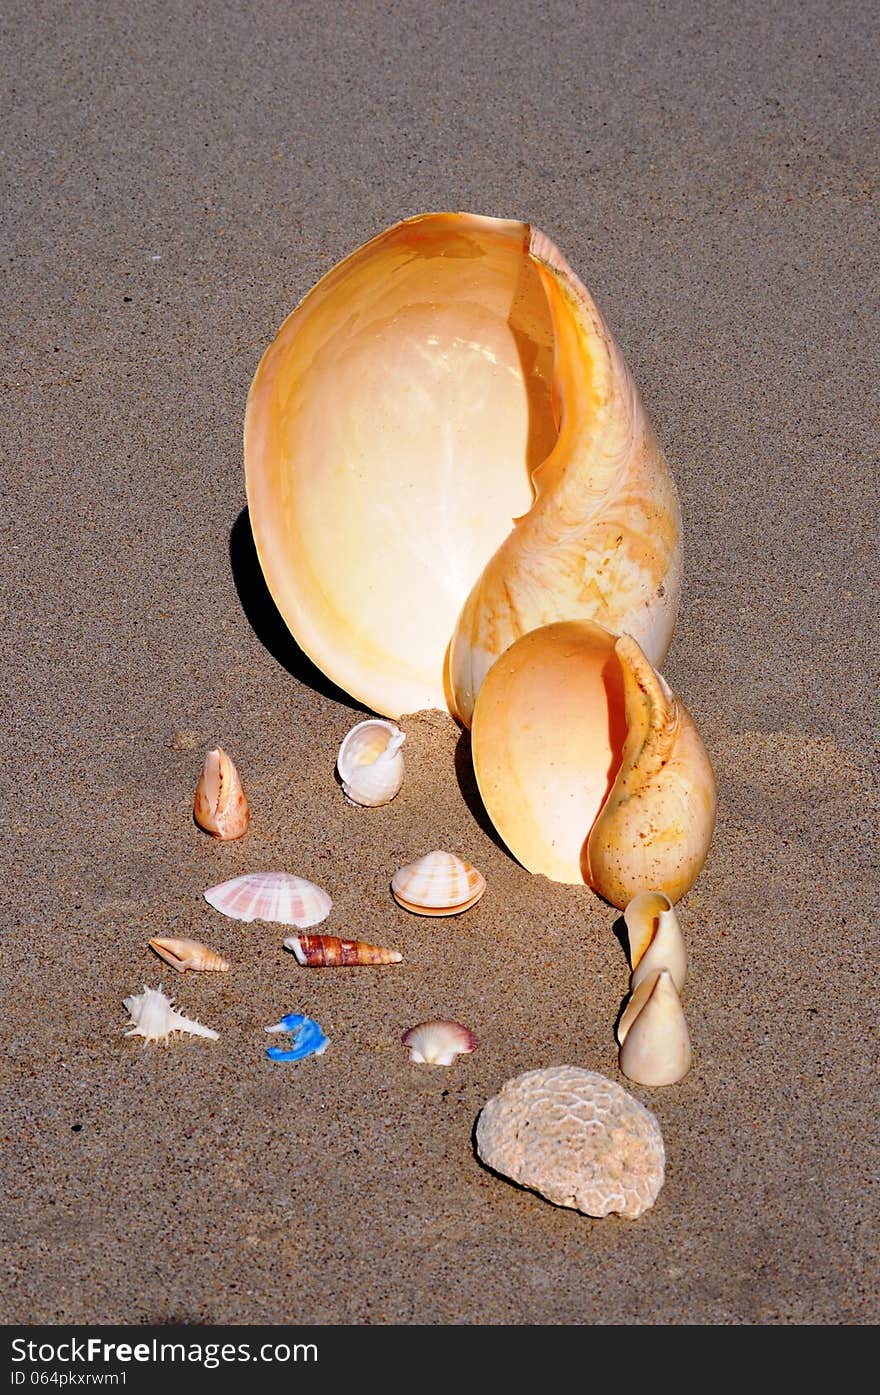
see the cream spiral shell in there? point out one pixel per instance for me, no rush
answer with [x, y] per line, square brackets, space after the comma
[655, 1046]
[370, 762]
[589, 767]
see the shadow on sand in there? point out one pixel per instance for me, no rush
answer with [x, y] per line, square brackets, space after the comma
[266, 620]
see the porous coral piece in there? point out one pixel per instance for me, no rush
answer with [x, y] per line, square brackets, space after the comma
[575, 1137]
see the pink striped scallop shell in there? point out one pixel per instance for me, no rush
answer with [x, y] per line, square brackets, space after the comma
[275, 896]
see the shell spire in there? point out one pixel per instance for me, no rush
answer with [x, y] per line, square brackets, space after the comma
[220, 805]
[329, 951]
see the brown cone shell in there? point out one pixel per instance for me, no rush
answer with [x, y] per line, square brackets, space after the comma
[329, 951]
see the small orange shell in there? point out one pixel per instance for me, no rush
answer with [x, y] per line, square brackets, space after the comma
[187, 954]
[220, 805]
[329, 951]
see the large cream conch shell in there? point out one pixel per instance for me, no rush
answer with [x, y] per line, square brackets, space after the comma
[589, 766]
[444, 450]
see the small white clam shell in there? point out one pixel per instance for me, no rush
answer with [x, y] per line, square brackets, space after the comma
[370, 762]
[440, 883]
[438, 1043]
[655, 938]
[655, 1047]
[276, 896]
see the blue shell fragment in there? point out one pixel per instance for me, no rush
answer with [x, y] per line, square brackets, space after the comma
[308, 1038]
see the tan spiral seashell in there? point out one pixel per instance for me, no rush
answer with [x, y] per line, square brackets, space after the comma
[220, 805]
[440, 883]
[654, 829]
[449, 376]
[589, 767]
[183, 954]
[655, 1046]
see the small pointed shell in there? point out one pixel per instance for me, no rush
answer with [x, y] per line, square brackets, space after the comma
[438, 1043]
[655, 1047]
[154, 1017]
[655, 938]
[273, 896]
[440, 883]
[188, 954]
[370, 762]
[220, 806]
[329, 951]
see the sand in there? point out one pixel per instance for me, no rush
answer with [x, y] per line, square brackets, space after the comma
[177, 177]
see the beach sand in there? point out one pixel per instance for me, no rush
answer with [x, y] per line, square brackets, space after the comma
[178, 177]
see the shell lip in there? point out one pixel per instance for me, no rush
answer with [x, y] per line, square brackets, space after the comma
[454, 908]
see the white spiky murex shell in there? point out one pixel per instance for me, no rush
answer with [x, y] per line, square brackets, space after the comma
[154, 1017]
[440, 883]
[370, 762]
[279, 897]
[438, 1043]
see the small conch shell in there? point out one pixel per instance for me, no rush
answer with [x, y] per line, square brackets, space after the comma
[329, 951]
[655, 938]
[438, 1043]
[370, 762]
[220, 806]
[154, 1018]
[188, 954]
[440, 883]
[274, 896]
[655, 1048]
